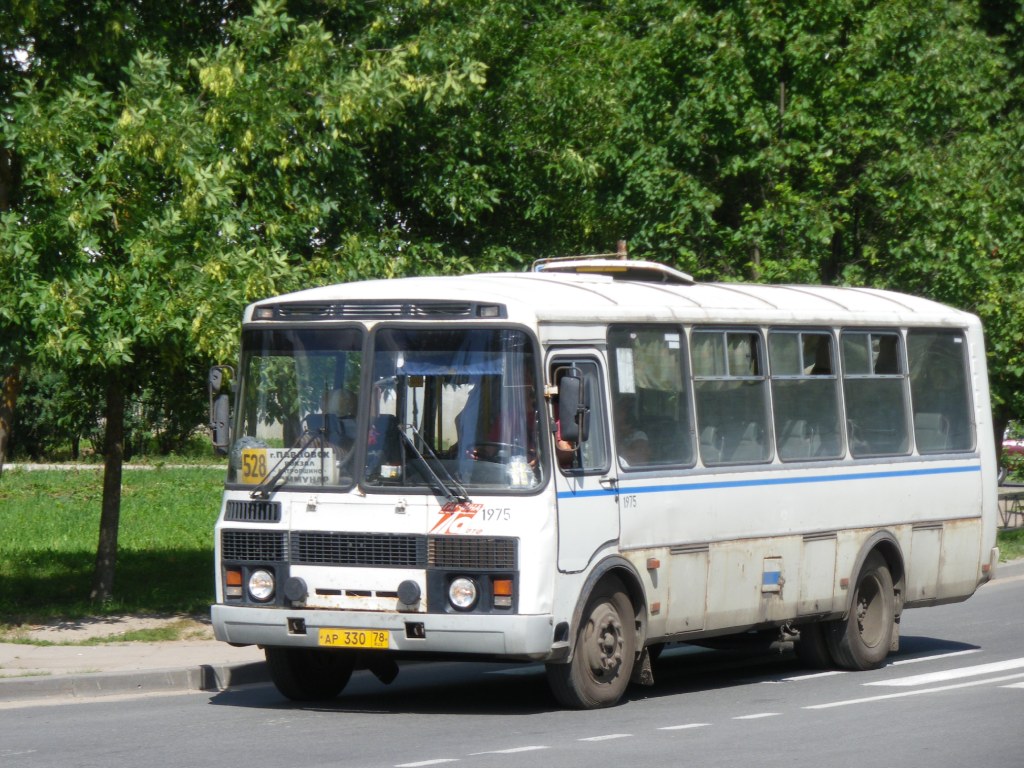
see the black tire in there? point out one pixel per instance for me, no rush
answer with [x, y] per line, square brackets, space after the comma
[811, 647]
[309, 674]
[862, 641]
[604, 654]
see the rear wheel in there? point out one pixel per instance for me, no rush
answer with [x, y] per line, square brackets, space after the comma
[309, 674]
[604, 653]
[863, 640]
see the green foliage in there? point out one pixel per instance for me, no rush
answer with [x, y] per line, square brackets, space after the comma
[308, 142]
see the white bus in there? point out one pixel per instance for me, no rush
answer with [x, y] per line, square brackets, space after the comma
[580, 464]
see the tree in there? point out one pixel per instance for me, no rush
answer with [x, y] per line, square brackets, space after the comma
[148, 216]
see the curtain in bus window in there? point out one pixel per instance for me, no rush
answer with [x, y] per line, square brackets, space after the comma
[874, 385]
[939, 391]
[805, 396]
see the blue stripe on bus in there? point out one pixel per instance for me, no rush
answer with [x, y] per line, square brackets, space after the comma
[768, 481]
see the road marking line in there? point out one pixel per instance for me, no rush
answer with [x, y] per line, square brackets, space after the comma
[608, 737]
[952, 674]
[918, 692]
[512, 751]
[757, 716]
[1015, 685]
[934, 658]
[683, 727]
[428, 762]
[813, 676]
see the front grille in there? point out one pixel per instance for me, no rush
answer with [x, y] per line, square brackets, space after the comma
[253, 511]
[253, 546]
[464, 552]
[371, 550]
[358, 549]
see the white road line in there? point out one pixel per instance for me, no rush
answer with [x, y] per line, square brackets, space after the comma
[1015, 685]
[952, 674]
[683, 727]
[934, 658]
[513, 751]
[813, 676]
[608, 737]
[758, 716]
[428, 762]
[917, 692]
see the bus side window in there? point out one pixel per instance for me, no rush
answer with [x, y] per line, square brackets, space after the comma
[874, 384]
[650, 403]
[591, 454]
[805, 395]
[939, 391]
[731, 390]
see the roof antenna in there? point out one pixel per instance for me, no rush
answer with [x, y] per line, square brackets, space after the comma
[620, 250]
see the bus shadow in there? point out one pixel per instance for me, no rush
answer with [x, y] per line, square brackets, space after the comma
[460, 689]
[431, 688]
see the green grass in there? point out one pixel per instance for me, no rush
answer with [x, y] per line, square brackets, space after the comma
[1011, 544]
[49, 527]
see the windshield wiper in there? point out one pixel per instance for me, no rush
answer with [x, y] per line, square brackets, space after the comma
[273, 478]
[459, 494]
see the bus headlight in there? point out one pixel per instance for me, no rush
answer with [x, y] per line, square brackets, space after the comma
[462, 593]
[261, 585]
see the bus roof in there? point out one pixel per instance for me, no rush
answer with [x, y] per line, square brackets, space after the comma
[569, 294]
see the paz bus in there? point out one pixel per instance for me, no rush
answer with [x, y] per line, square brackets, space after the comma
[582, 463]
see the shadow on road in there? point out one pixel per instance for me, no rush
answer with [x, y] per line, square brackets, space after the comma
[461, 689]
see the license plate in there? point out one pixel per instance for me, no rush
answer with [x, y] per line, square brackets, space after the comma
[354, 638]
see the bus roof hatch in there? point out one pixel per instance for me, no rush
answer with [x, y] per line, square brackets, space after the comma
[615, 268]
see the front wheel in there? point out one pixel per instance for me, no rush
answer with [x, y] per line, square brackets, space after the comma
[604, 653]
[309, 674]
[863, 640]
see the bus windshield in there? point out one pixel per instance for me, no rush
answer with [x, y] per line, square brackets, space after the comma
[445, 411]
[455, 408]
[297, 407]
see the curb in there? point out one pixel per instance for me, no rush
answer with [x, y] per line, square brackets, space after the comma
[205, 677]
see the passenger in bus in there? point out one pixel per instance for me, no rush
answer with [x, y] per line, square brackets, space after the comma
[631, 442]
[565, 452]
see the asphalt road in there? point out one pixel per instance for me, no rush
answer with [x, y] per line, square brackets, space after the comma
[952, 696]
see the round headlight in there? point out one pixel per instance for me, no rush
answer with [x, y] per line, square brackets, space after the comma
[261, 585]
[462, 593]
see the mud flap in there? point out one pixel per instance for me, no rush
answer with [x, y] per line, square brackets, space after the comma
[642, 672]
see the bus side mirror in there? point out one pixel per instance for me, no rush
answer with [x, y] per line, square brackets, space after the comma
[573, 412]
[220, 407]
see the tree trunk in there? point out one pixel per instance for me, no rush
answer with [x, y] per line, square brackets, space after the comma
[113, 460]
[9, 389]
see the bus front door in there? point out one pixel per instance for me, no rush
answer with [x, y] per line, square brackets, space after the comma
[586, 482]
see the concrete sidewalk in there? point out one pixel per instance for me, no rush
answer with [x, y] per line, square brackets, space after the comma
[78, 672]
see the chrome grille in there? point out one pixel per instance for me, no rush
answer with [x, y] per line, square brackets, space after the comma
[252, 546]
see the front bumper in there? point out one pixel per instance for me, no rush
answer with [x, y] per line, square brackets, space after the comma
[506, 637]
